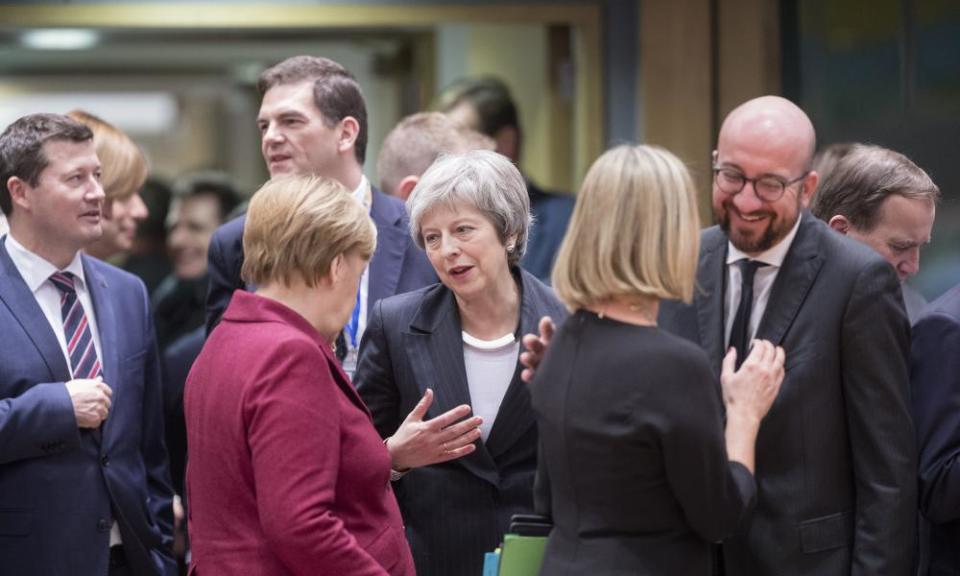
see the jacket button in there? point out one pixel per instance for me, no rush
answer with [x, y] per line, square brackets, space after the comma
[103, 525]
[105, 461]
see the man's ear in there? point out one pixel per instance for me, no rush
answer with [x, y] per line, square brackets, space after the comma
[348, 134]
[808, 187]
[508, 142]
[406, 187]
[840, 224]
[18, 192]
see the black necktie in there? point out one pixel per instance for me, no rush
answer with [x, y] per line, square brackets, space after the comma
[740, 333]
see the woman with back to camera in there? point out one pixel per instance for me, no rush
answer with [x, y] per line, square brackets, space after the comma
[123, 170]
[287, 474]
[637, 469]
[459, 338]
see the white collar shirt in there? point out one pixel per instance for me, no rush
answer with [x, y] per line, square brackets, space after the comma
[36, 272]
[762, 282]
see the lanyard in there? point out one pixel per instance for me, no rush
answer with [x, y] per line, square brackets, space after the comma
[354, 325]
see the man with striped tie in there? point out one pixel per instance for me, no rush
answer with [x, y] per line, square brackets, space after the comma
[84, 487]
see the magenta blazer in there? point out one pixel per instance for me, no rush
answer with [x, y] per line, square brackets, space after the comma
[286, 472]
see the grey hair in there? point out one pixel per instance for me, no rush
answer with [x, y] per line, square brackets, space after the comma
[486, 180]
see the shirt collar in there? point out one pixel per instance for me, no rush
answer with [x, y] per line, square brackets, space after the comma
[35, 270]
[362, 193]
[773, 256]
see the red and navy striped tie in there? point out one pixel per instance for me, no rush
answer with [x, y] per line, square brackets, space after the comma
[84, 362]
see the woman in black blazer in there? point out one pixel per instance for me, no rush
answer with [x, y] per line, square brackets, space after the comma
[638, 472]
[456, 344]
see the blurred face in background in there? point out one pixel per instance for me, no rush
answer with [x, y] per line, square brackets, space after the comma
[190, 224]
[120, 219]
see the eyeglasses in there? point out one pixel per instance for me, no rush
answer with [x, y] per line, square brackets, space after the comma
[767, 188]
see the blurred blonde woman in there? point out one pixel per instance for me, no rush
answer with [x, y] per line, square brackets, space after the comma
[637, 469]
[287, 474]
[123, 172]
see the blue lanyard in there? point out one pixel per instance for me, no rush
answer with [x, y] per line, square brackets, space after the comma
[354, 325]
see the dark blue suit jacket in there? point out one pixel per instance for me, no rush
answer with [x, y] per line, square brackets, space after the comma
[397, 266]
[551, 213]
[60, 486]
[935, 380]
[455, 511]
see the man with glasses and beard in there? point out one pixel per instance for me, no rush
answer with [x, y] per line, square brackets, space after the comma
[836, 460]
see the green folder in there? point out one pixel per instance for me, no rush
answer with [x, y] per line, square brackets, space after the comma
[521, 555]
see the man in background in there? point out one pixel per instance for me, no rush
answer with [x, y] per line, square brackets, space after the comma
[313, 120]
[881, 198]
[415, 142]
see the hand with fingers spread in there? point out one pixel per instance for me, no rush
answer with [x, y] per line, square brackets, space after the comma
[536, 347]
[91, 401]
[748, 394]
[418, 442]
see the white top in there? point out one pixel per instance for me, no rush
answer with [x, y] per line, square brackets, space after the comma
[36, 273]
[490, 366]
[762, 282]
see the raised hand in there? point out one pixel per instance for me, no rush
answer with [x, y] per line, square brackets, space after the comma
[536, 347]
[418, 442]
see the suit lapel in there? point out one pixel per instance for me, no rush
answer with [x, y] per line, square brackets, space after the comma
[23, 306]
[435, 346]
[515, 415]
[796, 276]
[343, 382]
[711, 279]
[387, 261]
[108, 328]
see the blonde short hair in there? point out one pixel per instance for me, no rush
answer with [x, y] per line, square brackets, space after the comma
[634, 230]
[297, 225]
[122, 164]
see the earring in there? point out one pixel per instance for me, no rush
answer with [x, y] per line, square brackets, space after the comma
[510, 248]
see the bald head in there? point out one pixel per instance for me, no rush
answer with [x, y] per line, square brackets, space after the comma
[774, 124]
[763, 178]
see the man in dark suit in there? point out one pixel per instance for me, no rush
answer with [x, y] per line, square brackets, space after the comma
[836, 461]
[84, 487]
[313, 120]
[935, 381]
[881, 198]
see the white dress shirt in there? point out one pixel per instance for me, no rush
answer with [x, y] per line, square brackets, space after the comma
[762, 282]
[364, 195]
[36, 273]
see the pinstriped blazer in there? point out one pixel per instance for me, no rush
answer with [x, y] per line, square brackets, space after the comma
[455, 511]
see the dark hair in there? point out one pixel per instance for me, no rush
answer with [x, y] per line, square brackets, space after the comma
[21, 148]
[335, 91]
[209, 183]
[863, 178]
[489, 96]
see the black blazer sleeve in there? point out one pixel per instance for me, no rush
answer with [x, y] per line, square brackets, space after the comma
[875, 345]
[374, 375]
[714, 493]
[935, 376]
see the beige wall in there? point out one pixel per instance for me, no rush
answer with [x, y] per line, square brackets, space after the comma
[690, 79]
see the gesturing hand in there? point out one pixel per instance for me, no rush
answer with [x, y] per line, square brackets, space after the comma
[536, 347]
[418, 442]
[91, 401]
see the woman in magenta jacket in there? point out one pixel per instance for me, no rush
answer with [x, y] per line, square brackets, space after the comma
[287, 474]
